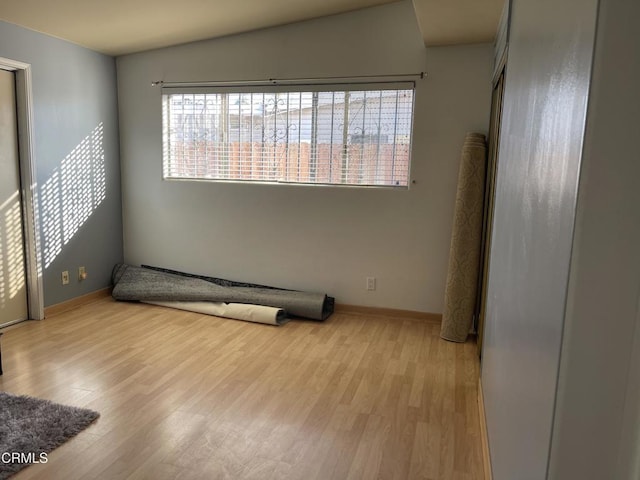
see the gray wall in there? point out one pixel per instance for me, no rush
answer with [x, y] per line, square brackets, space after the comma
[597, 416]
[629, 454]
[314, 238]
[543, 123]
[77, 162]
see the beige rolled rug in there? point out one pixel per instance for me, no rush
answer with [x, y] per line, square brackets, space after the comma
[466, 239]
[236, 311]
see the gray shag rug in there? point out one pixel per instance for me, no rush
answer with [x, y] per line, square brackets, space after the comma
[30, 427]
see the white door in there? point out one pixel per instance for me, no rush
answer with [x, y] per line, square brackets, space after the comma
[13, 290]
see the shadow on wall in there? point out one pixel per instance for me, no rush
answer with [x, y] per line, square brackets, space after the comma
[72, 193]
[12, 280]
[67, 200]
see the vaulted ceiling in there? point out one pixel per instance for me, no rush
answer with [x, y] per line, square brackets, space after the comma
[118, 27]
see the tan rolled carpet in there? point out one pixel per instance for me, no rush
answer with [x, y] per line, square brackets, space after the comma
[466, 238]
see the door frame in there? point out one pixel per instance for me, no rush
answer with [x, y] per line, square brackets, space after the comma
[28, 185]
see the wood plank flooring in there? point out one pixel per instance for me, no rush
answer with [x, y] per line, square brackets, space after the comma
[183, 396]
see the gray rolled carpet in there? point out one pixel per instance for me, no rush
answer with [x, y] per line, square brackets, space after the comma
[31, 427]
[151, 284]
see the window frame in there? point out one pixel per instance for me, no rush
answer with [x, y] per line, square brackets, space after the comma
[272, 88]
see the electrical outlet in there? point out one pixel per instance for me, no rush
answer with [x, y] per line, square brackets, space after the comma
[371, 283]
[82, 273]
[65, 277]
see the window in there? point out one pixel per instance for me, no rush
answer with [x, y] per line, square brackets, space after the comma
[290, 134]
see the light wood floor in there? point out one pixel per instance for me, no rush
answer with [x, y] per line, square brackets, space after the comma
[182, 395]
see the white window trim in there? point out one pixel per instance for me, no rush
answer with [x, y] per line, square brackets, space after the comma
[270, 88]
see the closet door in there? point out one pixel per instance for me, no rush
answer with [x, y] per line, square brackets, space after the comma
[492, 165]
[13, 291]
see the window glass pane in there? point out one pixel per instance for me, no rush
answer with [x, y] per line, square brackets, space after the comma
[348, 137]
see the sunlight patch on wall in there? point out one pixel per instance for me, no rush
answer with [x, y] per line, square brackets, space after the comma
[12, 276]
[51, 218]
[72, 193]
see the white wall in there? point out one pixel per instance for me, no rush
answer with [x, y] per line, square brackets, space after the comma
[597, 415]
[545, 101]
[312, 238]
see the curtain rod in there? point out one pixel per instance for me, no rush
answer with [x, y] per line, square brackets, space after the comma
[285, 81]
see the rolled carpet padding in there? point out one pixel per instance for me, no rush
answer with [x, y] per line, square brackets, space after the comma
[131, 283]
[237, 311]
